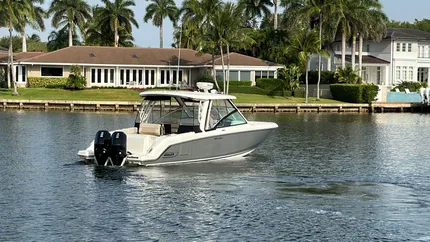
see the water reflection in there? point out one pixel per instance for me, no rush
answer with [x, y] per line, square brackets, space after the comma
[349, 177]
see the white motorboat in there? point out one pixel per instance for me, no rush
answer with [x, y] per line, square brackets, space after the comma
[177, 127]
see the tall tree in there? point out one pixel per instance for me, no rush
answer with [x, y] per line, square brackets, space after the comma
[158, 10]
[256, 9]
[60, 39]
[70, 13]
[373, 26]
[117, 15]
[197, 26]
[304, 44]
[11, 12]
[319, 12]
[35, 18]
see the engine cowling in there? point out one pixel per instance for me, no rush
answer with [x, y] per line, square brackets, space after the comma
[118, 149]
[102, 144]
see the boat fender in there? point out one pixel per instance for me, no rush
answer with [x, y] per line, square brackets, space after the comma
[118, 149]
[102, 143]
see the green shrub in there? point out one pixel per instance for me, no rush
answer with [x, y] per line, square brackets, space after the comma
[412, 86]
[273, 86]
[354, 93]
[370, 91]
[247, 90]
[75, 81]
[38, 82]
[327, 77]
[271, 83]
[351, 93]
[205, 78]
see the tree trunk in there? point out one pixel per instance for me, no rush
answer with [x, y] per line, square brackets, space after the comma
[275, 15]
[319, 62]
[213, 69]
[116, 33]
[12, 69]
[307, 85]
[360, 55]
[24, 41]
[343, 49]
[70, 33]
[353, 47]
[228, 68]
[223, 68]
[161, 34]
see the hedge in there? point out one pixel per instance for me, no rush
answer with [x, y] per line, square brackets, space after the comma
[50, 82]
[235, 84]
[354, 93]
[327, 77]
[247, 90]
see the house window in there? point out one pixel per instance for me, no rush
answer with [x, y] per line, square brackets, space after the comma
[234, 75]
[409, 47]
[398, 70]
[411, 73]
[271, 74]
[219, 75]
[245, 76]
[398, 47]
[24, 73]
[364, 74]
[112, 75]
[153, 77]
[51, 71]
[378, 75]
[404, 72]
[257, 75]
[403, 47]
[367, 48]
[99, 75]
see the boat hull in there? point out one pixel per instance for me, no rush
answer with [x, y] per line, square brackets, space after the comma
[210, 148]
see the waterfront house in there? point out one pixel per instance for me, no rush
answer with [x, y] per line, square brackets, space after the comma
[137, 67]
[402, 55]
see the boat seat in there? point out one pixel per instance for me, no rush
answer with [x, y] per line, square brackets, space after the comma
[151, 129]
[188, 128]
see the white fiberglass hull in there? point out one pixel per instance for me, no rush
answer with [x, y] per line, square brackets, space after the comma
[217, 144]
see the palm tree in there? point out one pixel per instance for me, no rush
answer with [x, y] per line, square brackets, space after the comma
[197, 26]
[348, 18]
[11, 12]
[305, 44]
[158, 10]
[35, 19]
[256, 9]
[101, 35]
[70, 13]
[374, 23]
[235, 34]
[319, 11]
[60, 39]
[117, 15]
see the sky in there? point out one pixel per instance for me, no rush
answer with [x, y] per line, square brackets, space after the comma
[147, 35]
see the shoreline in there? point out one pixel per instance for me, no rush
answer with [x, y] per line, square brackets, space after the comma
[125, 106]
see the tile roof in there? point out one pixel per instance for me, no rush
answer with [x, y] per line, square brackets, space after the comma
[138, 56]
[404, 33]
[239, 59]
[367, 59]
[17, 57]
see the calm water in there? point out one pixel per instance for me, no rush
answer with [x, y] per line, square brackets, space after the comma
[346, 177]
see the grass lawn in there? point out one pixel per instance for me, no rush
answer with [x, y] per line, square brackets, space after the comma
[131, 95]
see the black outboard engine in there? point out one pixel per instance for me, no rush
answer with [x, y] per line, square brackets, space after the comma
[102, 144]
[118, 149]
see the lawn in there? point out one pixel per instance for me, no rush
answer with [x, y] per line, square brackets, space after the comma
[131, 95]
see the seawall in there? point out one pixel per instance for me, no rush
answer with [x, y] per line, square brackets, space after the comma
[118, 106]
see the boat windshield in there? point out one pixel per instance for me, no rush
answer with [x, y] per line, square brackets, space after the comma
[182, 115]
[223, 114]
